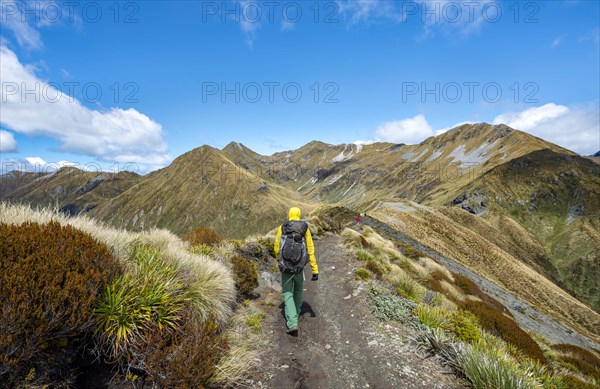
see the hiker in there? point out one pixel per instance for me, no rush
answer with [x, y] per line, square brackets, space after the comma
[293, 249]
[358, 219]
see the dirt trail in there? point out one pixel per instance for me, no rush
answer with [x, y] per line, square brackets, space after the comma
[340, 344]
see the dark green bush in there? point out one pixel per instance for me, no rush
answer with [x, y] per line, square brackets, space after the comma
[203, 235]
[245, 275]
[51, 276]
[504, 327]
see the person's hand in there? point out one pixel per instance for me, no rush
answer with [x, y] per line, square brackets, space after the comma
[314, 277]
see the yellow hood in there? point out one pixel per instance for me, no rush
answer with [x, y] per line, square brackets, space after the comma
[294, 213]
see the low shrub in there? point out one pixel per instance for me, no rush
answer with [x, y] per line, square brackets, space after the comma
[186, 358]
[51, 276]
[573, 382]
[465, 326]
[375, 267]
[254, 321]
[434, 282]
[362, 274]
[504, 327]
[245, 275]
[469, 287]
[583, 360]
[203, 235]
[386, 306]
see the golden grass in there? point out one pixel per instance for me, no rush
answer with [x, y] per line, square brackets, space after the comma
[474, 251]
[246, 346]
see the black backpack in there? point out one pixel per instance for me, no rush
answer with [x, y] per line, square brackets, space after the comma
[293, 255]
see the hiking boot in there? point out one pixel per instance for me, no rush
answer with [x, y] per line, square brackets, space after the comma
[293, 331]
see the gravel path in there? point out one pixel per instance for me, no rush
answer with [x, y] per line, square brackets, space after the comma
[340, 344]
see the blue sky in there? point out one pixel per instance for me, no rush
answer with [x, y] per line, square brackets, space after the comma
[145, 81]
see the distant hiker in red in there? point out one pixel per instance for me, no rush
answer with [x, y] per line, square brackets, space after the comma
[358, 219]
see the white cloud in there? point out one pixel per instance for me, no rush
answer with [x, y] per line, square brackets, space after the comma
[409, 131]
[532, 117]
[13, 19]
[7, 142]
[115, 135]
[357, 11]
[576, 128]
[249, 20]
[451, 18]
[593, 36]
[555, 43]
[36, 161]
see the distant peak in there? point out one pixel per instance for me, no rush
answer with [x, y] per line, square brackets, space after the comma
[234, 144]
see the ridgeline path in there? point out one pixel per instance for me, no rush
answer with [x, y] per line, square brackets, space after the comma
[340, 343]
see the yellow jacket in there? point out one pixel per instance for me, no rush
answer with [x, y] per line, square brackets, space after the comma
[294, 214]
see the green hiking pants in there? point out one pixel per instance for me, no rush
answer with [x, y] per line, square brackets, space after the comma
[291, 287]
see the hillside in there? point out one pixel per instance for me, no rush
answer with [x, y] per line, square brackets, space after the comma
[201, 187]
[70, 189]
[478, 246]
[555, 197]
[359, 176]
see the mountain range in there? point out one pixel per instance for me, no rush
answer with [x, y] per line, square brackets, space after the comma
[542, 198]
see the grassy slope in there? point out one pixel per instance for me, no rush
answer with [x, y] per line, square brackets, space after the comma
[485, 255]
[555, 197]
[68, 188]
[202, 188]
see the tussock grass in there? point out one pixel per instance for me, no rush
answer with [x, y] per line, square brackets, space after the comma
[363, 255]
[410, 289]
[362, 274]
[352, 237]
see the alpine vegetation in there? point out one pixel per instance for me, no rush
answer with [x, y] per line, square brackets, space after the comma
[142, 301]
